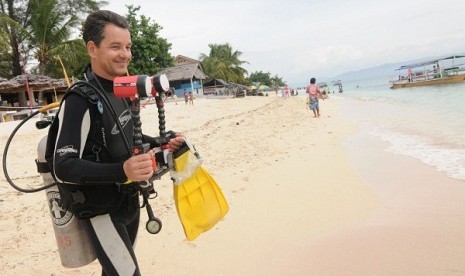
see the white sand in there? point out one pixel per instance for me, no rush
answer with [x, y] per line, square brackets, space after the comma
[301, 203]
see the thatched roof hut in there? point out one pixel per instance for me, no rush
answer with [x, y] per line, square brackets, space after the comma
[14, 92]
[187, 74]
[36, 83]
[219, 87]
[184, 72]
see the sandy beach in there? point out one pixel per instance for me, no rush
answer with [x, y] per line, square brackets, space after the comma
[307, 196]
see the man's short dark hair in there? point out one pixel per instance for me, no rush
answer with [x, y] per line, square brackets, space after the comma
[312, 81]
[96, 22]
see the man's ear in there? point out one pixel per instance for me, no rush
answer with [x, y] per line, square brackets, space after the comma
[91, 49]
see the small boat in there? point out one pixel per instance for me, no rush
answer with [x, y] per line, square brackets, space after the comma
[432, 72]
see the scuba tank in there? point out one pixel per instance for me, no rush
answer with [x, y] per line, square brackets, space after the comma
[71, 233]
[72, 236]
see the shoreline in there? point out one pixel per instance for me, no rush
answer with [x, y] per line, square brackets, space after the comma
[418, 227]
[307, 196]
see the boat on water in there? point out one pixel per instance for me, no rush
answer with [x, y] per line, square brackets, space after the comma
[432, 72]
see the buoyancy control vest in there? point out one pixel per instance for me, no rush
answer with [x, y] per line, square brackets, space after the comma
[104, 144]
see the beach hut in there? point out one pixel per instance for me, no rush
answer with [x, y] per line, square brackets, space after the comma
[216, 87]
[25, 92]
[222, 88]
[186, 74]
[240, 90]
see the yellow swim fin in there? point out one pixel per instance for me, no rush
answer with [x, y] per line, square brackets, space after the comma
[199, 201]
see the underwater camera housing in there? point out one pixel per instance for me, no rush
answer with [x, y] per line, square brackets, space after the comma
[140, 86]
[134, 88]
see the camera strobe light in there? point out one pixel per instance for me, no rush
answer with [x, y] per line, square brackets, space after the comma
[160, 84]
[131, 86]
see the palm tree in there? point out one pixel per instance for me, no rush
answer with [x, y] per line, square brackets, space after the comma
[50, 31]
[43, 28]
[5, 53]
[12, 32]
[223, 63]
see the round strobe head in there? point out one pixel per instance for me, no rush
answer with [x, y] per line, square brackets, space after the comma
[132, 86]
[160, 83]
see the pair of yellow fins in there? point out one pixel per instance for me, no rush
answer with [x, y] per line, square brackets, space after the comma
[200, 204]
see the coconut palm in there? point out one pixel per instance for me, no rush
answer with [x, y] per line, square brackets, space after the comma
[223, 63]
[50, 31]
[43, 28]
[5, 53]
[12, 34]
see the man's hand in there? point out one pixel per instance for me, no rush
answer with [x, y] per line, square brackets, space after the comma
[139, 167]
[176, 142]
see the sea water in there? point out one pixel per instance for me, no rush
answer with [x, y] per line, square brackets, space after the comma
[426, 123]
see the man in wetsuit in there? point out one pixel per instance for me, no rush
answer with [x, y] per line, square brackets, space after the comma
[94, 168]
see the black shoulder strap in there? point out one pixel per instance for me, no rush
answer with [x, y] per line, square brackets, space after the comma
[87, 91]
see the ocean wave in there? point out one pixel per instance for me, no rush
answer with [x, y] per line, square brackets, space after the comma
[448, 160]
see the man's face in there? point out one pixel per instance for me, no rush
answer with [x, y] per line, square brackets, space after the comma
[112, 57]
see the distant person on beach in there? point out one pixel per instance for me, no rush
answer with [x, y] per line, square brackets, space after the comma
[314, 93]
[191, 98]
[186, 96]
[286, 92]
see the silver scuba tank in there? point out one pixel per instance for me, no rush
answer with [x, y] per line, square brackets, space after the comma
[71, 233]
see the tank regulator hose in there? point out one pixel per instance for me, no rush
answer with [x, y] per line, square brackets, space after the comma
[7, 146]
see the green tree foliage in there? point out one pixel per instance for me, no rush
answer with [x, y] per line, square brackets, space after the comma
[41, 29]
[223, 63]
[150, 52]
[5, 54]
[277, 81]
[266, 79]
[12, 18]
[50, 29]
[261, 77]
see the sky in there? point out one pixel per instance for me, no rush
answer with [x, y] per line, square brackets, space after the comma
[300, 39]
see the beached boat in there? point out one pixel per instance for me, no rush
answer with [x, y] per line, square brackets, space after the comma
[432, 72]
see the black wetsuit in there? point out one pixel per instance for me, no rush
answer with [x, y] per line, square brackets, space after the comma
[89, 159]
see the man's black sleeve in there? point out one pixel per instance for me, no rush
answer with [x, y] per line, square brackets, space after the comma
[74, 125]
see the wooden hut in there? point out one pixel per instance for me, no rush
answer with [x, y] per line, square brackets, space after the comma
[187, 74]
[215, 87]
[28, 91]
[219, 87]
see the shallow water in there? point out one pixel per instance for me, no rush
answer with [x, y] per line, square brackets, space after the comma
[427, 123]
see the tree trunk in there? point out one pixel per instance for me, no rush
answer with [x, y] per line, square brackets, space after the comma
[16, 58]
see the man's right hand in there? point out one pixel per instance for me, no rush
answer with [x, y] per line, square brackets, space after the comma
[139, 167]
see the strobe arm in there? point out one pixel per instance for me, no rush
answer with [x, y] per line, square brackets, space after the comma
[134, 87]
